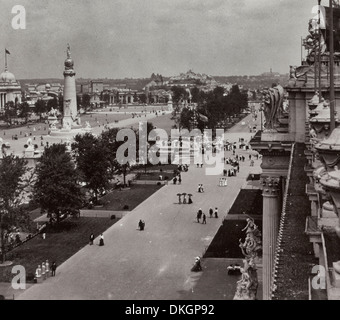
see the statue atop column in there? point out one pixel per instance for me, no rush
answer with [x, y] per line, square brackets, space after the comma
[273, 106]
[247, 286]
[68, 51]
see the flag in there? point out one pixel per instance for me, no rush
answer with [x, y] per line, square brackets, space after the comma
[7, 52]
[203, 118]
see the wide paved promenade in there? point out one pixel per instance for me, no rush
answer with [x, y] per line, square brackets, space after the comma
[154, 263]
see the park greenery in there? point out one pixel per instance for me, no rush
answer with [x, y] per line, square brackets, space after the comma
[14, 180]
[57, 188]
[212, 109]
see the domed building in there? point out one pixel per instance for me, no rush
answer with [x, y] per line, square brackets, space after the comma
[10, 89]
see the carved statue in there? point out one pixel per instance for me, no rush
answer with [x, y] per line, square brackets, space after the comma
[292, 70]
[53, 125]
[53, 112]
[312, 133]
[87, 125]
[312, 42]
[273, 106]
[248, 284]
[68, 51]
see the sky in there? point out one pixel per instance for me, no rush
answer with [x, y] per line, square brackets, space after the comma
[135, 38]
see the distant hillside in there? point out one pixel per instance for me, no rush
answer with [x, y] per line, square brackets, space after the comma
[134, 84]
[255, 82]
[248, 82]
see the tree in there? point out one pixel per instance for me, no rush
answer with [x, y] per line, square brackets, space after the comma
[24, 110]
[178, 94]
[108, 139]
[91, 156]
[78, 102]
[106, 98]
[12, 186]
[53, 103]
[86, 98]
[142, 98]
[61, 103]
[195, 93]
[10, 111]
[40, 107]
[186, 118]
[57, 188]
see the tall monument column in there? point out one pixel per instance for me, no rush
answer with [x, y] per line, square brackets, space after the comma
[70, 118]
[271, 216]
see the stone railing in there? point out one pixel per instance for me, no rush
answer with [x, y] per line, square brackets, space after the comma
[282, 222]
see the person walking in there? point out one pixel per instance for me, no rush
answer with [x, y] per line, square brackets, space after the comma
[101, 240]
[91, 239]
[216, 213]
[179, 179]
[204, 221]
[199, 215]
[141, 225]
[211, 211]
[54, 268]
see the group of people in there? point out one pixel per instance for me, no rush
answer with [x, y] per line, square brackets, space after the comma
[101, 240]
[200, 214]
[43, 272]
[200, 188]
[176, 178]
[232, 172]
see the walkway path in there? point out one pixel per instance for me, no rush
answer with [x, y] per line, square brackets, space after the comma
[154, 263]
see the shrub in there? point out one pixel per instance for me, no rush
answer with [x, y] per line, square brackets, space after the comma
[158, 183]
[126, 207]
[25, 146]
[113, 217]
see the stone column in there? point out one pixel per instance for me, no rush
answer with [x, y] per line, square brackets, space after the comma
[292, 114]
[0, 100]
[271, 216]
[300, 117]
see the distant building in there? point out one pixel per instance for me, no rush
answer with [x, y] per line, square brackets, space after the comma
[41, 91]
[10, 89]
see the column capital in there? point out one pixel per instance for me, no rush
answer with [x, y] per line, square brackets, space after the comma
[271, 186]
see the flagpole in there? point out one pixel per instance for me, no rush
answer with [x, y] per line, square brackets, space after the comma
[5, 60]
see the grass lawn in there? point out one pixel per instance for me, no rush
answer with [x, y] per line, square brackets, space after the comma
[162, 122]
[248, 201]
[116, 200]
[61, 243]
[226, 241]
[97, 119]
[155, 176]
[164, 167]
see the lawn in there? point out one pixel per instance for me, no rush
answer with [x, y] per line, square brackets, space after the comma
[132, 197]
[248, 201]
[226, 241]
[155, 176]
[162, 122]
[61, 243]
